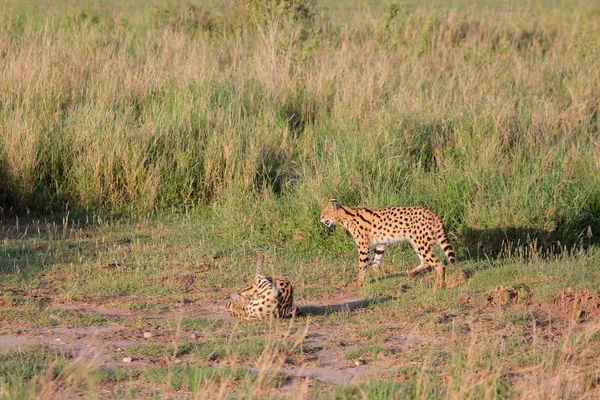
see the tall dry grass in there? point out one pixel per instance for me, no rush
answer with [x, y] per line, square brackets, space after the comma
[489, 115]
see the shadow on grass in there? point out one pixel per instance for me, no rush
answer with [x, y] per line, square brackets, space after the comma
[523, 242]
[393, 275]
[32, 242]
[343, 307]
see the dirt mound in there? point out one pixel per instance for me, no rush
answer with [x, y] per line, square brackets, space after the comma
[501, 296]
[577, 303]
[454, 280]
[464, 298]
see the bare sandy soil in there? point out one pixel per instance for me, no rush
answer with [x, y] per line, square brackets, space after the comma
[107, 344]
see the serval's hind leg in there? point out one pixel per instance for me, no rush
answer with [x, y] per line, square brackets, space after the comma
[429, 259]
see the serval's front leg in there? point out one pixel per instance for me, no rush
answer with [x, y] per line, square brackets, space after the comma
[363, 261]
[377, 260]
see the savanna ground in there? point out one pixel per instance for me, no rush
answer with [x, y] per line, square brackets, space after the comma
[149, 150]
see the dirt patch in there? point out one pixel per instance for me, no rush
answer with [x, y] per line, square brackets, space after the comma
[324, 356]
[455, 280]
[8, 342]
[91, 309]
[501, 296]
[464, 298]
[332, 375]
[577, 303]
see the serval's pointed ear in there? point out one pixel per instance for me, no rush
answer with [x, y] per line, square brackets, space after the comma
[333, 203]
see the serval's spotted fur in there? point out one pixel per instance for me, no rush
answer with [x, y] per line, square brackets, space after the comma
[265, 298]
[380, 227]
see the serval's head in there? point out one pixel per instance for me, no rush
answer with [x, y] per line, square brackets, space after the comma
[332, 213]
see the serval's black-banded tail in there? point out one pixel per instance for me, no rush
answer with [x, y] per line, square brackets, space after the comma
[260, 260]
[445, 243]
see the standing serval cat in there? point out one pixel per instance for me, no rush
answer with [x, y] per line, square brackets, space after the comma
[377, 228]
[265, 298]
